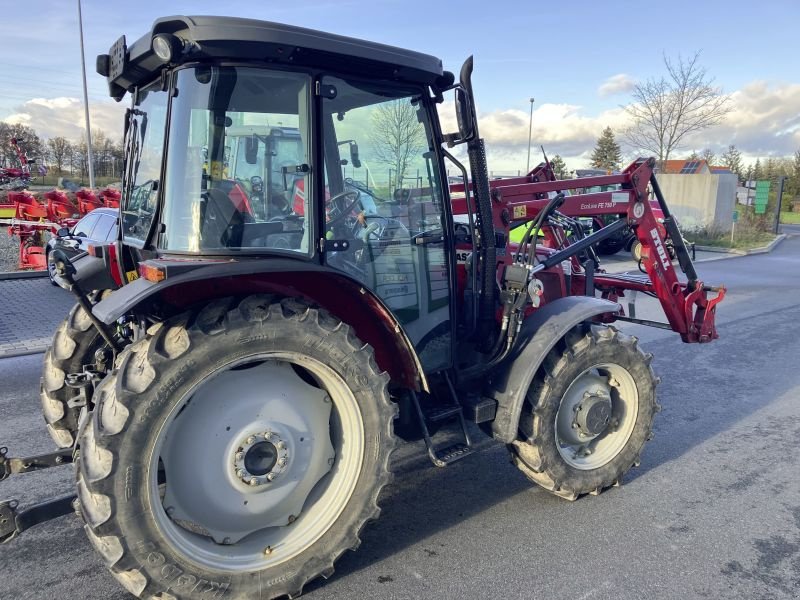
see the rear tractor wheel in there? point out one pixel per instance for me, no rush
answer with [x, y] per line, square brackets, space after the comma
[589, 412]
[74, 346]
[236, 452]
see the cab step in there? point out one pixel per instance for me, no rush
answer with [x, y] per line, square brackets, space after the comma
[441, 457]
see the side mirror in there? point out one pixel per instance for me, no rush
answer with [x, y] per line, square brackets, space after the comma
[64, 266]
[251, 150]
[63, 232]
[354, 159]
[466, 128]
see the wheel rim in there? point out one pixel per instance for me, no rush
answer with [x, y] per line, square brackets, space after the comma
[282, 420]
[596, 416]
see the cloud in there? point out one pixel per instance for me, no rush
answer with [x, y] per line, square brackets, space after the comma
[64, 117]
[764, 121]
[616, 84]
[564, 129]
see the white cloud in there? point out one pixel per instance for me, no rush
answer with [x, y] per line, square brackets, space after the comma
[616, 84]
[64, 116]
[764, 121]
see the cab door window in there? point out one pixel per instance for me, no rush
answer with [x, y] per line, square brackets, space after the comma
[383, 195]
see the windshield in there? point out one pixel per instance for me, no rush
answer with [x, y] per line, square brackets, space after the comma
[238, 161]
[145, 148]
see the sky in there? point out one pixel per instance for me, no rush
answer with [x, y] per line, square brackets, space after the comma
[578, 59]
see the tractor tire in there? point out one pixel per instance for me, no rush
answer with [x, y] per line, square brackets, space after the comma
[211, 401]
[636, 250]
[589, 412]
[74, 345]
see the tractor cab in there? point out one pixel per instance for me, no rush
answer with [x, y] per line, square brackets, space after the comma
[283, 151]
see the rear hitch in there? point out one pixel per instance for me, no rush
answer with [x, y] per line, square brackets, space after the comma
[12, 522]
[13, 466]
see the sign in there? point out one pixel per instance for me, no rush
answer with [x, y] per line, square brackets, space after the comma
[736, 216]
[762, 197]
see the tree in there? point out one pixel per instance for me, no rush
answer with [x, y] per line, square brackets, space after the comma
[397, 136]
[607, 154]
[693, 156]
[708, 156]
[666, 111]
[758, 172]
[31, 146]
[733, 160]
[559, 167]
[60, 152]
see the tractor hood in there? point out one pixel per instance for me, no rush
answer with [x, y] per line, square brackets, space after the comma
[191, 39]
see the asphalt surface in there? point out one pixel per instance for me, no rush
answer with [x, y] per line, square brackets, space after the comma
[30, 311]
[712, 512]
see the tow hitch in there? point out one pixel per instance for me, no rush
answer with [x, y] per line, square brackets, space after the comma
[13, 522]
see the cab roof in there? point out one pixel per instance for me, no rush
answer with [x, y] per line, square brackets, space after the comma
[208, 38]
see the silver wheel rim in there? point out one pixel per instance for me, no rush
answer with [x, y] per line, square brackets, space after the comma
[208, 506]
[601, 383]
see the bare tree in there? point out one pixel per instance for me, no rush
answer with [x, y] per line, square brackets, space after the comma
[60, 151]
[709, 156]
[397, 135]
[667, 110]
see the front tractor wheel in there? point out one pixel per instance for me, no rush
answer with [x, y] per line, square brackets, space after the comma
[236, 452]
[589, 412]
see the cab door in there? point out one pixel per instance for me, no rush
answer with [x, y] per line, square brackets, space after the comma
[384, 197]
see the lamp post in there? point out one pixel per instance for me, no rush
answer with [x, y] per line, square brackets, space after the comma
[530, 130]
[86, 102]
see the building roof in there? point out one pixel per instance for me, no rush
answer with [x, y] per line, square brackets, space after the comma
[686, 167]
[716, 169]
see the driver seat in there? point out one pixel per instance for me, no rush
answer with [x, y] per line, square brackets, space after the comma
[222, 225]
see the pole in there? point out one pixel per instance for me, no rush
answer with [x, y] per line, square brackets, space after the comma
[86, 102]
[781, 179]
[530, 131]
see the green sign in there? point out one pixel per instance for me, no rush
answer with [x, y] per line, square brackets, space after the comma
[762, 197]
[736, 216]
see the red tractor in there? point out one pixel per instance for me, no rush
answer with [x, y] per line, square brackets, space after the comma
[232, 382]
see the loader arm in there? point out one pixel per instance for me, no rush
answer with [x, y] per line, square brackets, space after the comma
[689, 310]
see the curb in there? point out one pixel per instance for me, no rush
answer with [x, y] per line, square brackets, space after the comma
[23, 275]
[733, 252]
[26, 352]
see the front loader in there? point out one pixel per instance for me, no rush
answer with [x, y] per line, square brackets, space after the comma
[243, 360]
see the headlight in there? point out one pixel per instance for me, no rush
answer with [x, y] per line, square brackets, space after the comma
[166, 46]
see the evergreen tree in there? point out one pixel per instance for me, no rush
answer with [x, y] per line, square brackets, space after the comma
[559, 167]
[607, 154]
[693, 156]
[758, 172]
[733, 160]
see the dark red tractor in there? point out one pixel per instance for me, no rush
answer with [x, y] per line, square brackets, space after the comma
[233, 381]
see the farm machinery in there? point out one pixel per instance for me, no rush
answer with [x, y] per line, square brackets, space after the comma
[32, 220]
[13, 178]
[232, 382]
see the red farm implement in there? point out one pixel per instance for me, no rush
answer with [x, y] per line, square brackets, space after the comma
[32, 221]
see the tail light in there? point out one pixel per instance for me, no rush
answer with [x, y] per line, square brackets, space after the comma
[114, 264]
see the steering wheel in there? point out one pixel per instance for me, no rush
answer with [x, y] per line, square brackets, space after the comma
[342, 212]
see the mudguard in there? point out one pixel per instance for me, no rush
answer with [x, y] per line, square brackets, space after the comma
[540, 333]
[190, 282]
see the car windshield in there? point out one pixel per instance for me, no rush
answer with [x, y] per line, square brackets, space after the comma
[238, 162]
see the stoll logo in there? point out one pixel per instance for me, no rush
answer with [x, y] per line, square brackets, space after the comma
[662, 253]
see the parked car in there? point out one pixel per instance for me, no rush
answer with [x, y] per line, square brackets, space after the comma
[97, 227]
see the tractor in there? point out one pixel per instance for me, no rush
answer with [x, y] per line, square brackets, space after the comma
[243, 360]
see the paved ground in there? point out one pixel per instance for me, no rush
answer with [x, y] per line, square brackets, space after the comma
[713, 511]
[30, 311]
